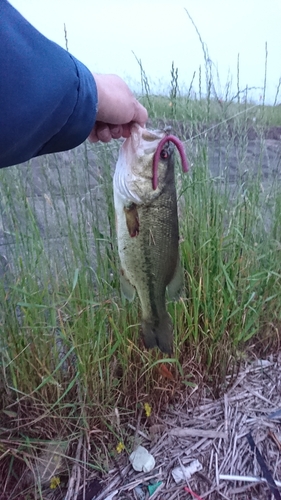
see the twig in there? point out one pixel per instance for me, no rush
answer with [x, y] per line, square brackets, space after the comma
[248, 479]
[186, 432]
[74, 481]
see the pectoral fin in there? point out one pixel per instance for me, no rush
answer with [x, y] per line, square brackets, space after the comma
[126, 288]
[132, 219]
[176, 284]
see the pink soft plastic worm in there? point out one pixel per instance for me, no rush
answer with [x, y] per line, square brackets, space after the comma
[192, 493]
[156, 157]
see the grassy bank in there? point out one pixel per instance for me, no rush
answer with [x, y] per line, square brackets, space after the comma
[215, 110]
[73, 369]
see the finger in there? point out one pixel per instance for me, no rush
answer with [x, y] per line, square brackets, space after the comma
[126, 130]
[116, 131]
[103, 132]
[93, 136]
[140, 114]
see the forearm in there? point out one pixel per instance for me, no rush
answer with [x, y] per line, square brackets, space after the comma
[48, 99]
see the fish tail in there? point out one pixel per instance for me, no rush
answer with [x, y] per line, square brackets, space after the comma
[158, 333]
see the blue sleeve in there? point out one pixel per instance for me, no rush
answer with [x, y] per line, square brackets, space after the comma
[48, 99]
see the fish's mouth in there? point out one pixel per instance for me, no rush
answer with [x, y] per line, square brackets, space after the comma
[152, 135]
[141, 143]
[145, 140]
[148, 143]
[156, 157]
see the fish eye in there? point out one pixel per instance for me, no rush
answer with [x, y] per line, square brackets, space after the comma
[164, 154]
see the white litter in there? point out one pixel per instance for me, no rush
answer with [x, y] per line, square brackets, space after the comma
[142, 460]
[182, 473]
[249, 479]
[262, 363]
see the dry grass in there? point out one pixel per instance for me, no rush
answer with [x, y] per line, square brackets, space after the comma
[195, 426]
[214, 432]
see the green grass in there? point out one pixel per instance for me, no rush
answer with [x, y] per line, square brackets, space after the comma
[185, 108]
[71, 362]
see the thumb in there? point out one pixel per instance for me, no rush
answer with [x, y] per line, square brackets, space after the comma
[140, 114]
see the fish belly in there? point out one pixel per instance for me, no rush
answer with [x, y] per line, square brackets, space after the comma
[149, 258]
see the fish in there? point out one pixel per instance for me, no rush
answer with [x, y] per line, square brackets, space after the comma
[147, 228]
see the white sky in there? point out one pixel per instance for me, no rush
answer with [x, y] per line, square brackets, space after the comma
[103, 34]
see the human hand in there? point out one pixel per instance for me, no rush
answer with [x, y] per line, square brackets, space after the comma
[117, 109]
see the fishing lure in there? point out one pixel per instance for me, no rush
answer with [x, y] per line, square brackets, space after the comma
[179, 146]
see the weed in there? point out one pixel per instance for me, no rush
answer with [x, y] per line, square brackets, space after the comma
[73, 369]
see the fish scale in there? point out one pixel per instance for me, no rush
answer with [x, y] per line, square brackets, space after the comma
[147, 233]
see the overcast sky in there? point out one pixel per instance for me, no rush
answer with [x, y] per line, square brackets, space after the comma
[103, 34]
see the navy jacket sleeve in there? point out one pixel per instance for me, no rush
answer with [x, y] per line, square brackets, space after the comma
[48, 99]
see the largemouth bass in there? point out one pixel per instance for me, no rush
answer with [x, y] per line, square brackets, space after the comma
[147, 230]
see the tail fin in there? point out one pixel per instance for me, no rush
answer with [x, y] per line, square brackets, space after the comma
[158, 332]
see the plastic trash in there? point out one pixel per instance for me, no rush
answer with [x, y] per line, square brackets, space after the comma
[142, 460]
[262, 363]
[182, 473]
[153, 487]
[139, 493]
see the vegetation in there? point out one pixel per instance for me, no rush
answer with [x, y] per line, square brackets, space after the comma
[73, 369]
